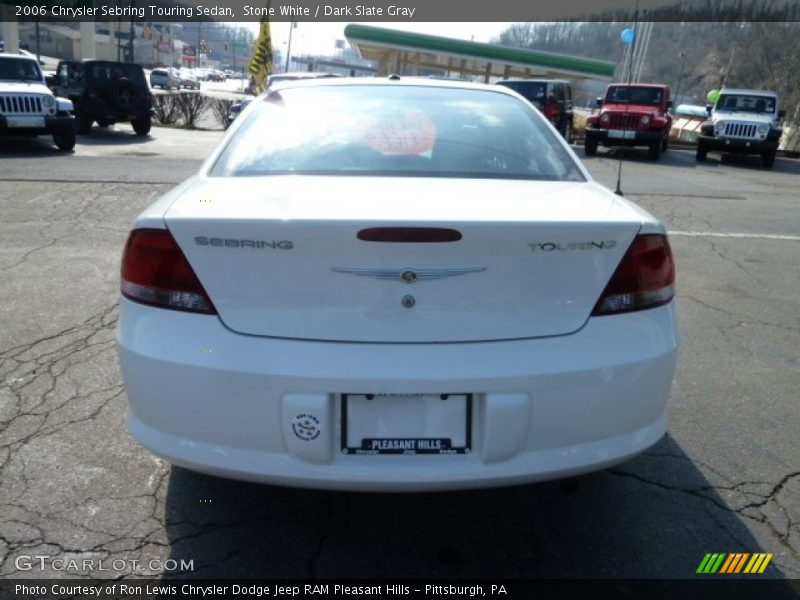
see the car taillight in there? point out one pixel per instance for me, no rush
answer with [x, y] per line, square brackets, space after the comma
[644, 279]
[551, 111]
[155, 272]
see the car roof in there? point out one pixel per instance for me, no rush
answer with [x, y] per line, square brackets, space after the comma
[748, 92]
[397, 81]
[22, 56]
[301, 75]
[114, 63]
[640, 85]
[539, 80]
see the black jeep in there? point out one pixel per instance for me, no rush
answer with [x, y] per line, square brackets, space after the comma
[106, 92]
[551, 96]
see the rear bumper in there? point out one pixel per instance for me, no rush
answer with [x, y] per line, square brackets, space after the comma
[102, 111]
[222, 403]
[631, 137]
[737, 146]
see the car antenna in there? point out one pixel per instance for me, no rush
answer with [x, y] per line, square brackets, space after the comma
[618, 191]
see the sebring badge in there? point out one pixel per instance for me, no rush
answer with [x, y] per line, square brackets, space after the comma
[408, 275]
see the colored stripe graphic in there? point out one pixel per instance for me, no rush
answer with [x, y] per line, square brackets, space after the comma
[740, 564]
[703, 563]
[724, 563]
[758, 563]
[765, 563]
[730, 562]
[711, 562]
[717, 564]
[734, 559]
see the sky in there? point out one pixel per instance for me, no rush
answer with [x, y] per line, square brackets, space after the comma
[319, 38]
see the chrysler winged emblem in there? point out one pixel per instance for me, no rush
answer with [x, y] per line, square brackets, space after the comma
[408, 275]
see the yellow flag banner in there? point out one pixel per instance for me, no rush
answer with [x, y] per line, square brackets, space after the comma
[260, 65]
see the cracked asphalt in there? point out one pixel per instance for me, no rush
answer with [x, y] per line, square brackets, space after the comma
[74, 485]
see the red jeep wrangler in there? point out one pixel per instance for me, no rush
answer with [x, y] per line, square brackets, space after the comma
[631, 115]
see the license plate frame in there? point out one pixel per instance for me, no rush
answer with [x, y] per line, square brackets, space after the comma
[407, 445]
[621, 134]
[24, 122]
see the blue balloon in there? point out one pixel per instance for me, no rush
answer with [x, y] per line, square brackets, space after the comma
[627, 36]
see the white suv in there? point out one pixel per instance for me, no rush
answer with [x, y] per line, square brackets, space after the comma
[742, 122]
[28, 107]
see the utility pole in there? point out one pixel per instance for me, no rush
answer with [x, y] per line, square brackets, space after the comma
[199, 33]
[38, 40]
[233, 58]
[682, 56]
[289, 47]
[130, 34]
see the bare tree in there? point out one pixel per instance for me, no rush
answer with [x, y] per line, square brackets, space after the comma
[221, 109]
[166, 110]
[191, 107]
[519, 35]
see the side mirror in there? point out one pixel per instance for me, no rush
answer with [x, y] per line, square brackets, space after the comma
[708, 108]
[781, 114]
[599, 101]
[50, 81]
[669, 104]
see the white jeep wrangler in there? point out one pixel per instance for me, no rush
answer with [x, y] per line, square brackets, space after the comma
[28, 107]
[742, 122]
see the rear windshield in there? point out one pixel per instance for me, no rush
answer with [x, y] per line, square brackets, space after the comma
[395, 131]
[114, 71]
[533, 91]
[19, 69]
[634, 95]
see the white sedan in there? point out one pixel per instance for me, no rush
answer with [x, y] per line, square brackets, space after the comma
[396, 285]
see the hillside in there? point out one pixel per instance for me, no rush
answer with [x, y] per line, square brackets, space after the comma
[698, 55]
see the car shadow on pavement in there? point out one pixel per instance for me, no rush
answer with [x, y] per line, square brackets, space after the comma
[113, 134]
[654, 517]
[28, 147]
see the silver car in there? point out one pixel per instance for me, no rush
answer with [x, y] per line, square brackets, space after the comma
[165, 78]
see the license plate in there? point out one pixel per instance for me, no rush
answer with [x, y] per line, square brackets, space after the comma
[411, 424]
[25, 122]
[621, 133]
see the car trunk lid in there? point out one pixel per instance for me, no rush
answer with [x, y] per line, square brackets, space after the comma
[285, 256]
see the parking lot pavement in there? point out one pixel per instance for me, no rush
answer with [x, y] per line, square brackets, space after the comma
[74, 484]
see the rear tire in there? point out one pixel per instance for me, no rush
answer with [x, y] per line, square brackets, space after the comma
[64, 140]
[568, 135]
[655, 150]
[84, 123]
[141, 125]
[702, 153]
[590, 146]
[665, 144]
[768, 159]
